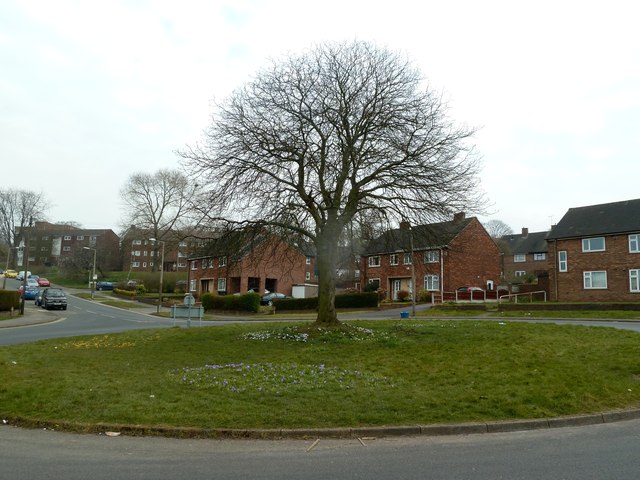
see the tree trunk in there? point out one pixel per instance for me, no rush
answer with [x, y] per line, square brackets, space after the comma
[327, 250]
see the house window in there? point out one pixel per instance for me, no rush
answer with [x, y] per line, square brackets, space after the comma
[144, 264]
[307, 276]
[432, 256]
[194, 265]
[594, 280]
[182, 244]
[151, 264]
[538, 257]
[135, 264]
[393, 259]
[135, 253]
[222, 261]
[66, 249]
[136, 242]
[193, 285]
[144, 254]
[374, 261]
[634, 280]
[307, 260]
[634, 243]
[562, 261]
[520, 273]
[45, 238]
[519, 258]
[432, 283]
[375, 282]
[80, 237]
[407, 259]
[595, 244]
[356, 274]
[222, 284]
[182, 265]
[67, 237]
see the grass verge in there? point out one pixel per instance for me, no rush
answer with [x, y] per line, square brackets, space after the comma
[275, 376]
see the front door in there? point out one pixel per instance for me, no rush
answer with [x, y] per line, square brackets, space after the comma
[396, 286]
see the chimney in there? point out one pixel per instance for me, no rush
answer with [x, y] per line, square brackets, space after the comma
[458, 217]
[525, 231]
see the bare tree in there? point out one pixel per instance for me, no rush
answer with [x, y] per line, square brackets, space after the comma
[157, 202]
[18, 209]
[319, 139]
[497, 228]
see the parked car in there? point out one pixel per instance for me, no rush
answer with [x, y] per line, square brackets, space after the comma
[44, 282]
[268, 298]
[30, 293]
[32, 283]
[10, 274]
[54, 298]
[103, 285]
[21, 274]
[38, 299]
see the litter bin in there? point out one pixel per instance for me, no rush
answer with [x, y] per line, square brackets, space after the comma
[404, 314]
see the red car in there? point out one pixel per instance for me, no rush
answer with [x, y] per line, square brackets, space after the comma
[43, 282]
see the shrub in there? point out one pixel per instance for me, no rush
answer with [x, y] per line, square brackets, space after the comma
[404, 296]
[249, 302]
[424, 296]
[9, 299]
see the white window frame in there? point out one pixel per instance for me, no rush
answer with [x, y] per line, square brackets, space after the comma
[135, 264]
[519, 258]
[539, 257]
[307, 275]
[67, 237]
[222, 261]
[563, 261]
[194, 265]
[307, 260]
[193, 285]
[432, 283]
[634, 243]
[137, 242]
[432, 256]
[588, 279]
[634, 280]
[520, 273]
[222, 284]
[374, 261]
[587, 246]
[80, 237]
[66, 249]
[407, 260]
[393, 259]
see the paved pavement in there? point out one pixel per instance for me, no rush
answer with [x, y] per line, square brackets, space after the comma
[35, 315]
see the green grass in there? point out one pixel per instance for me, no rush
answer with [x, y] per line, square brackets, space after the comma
[282, 376]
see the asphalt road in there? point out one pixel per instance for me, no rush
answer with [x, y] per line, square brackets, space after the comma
[599, 452]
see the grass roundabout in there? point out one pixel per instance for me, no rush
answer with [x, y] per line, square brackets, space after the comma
[278, 375]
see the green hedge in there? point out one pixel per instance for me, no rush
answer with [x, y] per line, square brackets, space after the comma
[250, 302]
[9, 299]
[349, 300]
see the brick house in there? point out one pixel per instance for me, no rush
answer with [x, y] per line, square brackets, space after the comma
[525, 256]
[237, 262]
[442, 257]
[596, 252]
[54, 244]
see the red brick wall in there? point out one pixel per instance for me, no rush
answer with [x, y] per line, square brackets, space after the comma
[615, 260]
[471, 259]
[281, 262]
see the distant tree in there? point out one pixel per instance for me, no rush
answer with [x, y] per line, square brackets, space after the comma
[18, 209]
[497, 229]
[157, 202]
[317, 140]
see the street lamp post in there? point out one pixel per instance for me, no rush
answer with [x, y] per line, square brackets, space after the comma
[4, 277]
[93, 274]
[161, 272]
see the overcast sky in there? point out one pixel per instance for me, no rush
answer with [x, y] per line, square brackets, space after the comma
[94, 91]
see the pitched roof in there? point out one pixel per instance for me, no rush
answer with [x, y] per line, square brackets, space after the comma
[425, 237]
[603, 219]
[534, 242]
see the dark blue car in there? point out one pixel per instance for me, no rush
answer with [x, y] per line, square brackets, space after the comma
[30, 293]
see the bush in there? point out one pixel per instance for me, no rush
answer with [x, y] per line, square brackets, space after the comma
[424, 296]
[404, 295]
[9, 299]
[248, 302]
